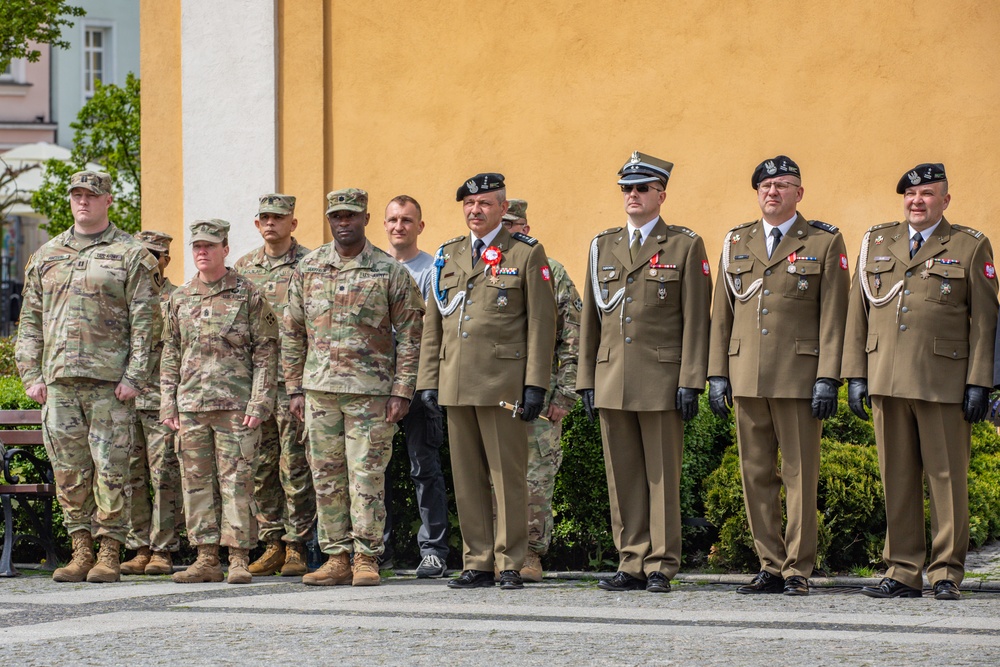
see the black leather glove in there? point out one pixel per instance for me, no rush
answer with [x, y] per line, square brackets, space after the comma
[429, 397]
[824, 402]
[687, 402]
[531, 404]
[976, 403]
[720, 395]
[857, 397]
[587, 395]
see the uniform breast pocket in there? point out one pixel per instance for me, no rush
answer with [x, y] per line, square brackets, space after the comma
[317, 307]
[507, 295]
[945, 284]
[106, 276]
[55, 271]
[662, 289]
[372, 304]
[235, 328]
[805, 282]
[740, 274]
[878, 274]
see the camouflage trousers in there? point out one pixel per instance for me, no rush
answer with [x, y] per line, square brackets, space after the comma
[282, 481]
[350, 444]
[216, 454]
[154, 523]
[544, 459]
[88, 434]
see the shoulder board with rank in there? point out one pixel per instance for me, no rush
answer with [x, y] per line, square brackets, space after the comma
[524, 238]
[454, 240]
[682, 230]
[975, 233]
[745, 224]
[826, 227]
[883, 226]
[613, 230]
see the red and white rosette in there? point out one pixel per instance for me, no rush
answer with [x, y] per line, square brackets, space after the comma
[491, 258]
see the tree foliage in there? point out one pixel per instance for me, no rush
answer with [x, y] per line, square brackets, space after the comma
[24, 21]
[107, 133]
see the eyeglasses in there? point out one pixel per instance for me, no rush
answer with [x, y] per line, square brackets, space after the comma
[643, 188]
[780, 186]
[513, 223]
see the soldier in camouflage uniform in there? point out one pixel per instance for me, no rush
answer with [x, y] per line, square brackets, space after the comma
[544, 448]
[218, 379]
[88, 316]
[283, 490]
[154, 526]
[351, 381]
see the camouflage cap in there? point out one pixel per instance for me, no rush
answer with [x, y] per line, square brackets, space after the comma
[96, 181]
[213, 231]
[275, 203]
[517, 209]
[348, 199]
[154, 240]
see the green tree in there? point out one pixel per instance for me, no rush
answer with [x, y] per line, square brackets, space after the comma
[24, 21]
[107, 133]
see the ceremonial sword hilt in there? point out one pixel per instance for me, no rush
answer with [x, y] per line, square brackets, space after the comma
[516, 409]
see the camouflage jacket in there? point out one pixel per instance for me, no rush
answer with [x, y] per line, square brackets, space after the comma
[149, 399]
[88, 310]
[337, 330]
[562, 390]
[220, 349]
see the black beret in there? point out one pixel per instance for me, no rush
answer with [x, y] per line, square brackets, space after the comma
[642, 168]
[487, 182]
[781, 165]
[928, 172]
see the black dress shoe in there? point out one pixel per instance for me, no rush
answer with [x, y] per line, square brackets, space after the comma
[510, 580]
[472, 579]
[796, 585]
[764, 582]
[890, 588]
[946, 590]
[622, 581]
[657, 583]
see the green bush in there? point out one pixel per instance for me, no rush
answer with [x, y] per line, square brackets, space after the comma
[7, 365]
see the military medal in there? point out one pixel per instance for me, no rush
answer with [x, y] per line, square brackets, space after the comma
[925, 274]
[945, 287]
[494, 280]
[501, 298]
[878, 282]
[803, 284]
[738, 283]
[791, 263]
[662, 292]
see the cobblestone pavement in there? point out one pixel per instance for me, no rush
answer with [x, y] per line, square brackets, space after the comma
[422, 622]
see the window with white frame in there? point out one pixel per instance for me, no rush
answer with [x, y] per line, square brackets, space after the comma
[97, 57]
[14, 72]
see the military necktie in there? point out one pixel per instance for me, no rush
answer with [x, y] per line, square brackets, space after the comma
[633, 249]
[477, 251]
[915, 244]
[776, 239]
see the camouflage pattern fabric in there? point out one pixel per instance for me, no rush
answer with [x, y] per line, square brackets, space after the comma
[149, 398]
[88, 435]
[350, 444]
[155, 524]
[216, 455]
[337, 330]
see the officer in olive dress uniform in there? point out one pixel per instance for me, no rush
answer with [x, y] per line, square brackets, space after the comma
[488, 337]
[643, 357]
[918, 350]
[776, 345]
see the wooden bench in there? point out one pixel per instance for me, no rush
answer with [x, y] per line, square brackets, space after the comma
[34, 499]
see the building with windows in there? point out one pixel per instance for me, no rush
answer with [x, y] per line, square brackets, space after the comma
[25, 110]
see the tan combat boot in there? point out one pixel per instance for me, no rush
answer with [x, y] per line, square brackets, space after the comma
[206, 569]
[107, 568]
[160, 562]
[295, 560]
[238, 572]
[365, 570]
[138, 563]
[532, 570]
[270, 561]
[336, 571]
[83, 559]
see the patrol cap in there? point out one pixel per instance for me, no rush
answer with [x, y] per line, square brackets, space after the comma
[642, 168]
[782, 165]
[348, 199]
[516, 210]
[96, 181]
[154, 240]
[275, 203]
[485, 182]
[928, 172]
[213, 230]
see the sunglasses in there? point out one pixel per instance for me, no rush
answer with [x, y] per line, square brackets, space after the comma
[643, 188]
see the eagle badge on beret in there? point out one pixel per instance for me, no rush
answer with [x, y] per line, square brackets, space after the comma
[771, 169]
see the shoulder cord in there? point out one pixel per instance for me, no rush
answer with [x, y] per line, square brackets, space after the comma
[439, 296]
[754, 287]
[595, 284]
[863, 279]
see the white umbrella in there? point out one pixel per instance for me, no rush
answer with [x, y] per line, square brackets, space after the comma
[32, 157]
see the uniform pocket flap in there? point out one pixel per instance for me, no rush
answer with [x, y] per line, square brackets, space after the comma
[947, 271]
[506, 282]
[880, 266]
[670, 355]
[872, 343]
[511, 350]
[808, 268]
[734, 346]
[808, 346]
[955, 349]
[663, 275]
[738, 268]
[603, 353]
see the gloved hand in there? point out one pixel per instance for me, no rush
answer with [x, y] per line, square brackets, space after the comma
[687, 402]
[824, 401]
[588, 403]
[720, 395]
[429, 397]
[531, 404]
[857, 397]
[976, 403]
